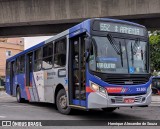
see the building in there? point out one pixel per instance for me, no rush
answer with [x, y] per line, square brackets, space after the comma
[8, 47]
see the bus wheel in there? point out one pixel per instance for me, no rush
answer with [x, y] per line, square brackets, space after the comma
[61, 102]
[18, 96]
[111, 109]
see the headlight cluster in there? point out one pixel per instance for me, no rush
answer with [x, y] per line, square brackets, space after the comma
[98, 88]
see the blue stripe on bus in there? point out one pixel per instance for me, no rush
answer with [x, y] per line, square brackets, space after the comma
[85, 26]
[78, 102]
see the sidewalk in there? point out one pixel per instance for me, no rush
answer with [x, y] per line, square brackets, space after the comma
[156, 98]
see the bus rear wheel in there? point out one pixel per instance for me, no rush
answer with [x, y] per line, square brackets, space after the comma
[111, 109]
[18, 95]
[61, 102]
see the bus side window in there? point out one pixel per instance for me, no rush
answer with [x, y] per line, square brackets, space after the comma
[14, 68]
[21, 67]
[47, 56]
[38, 60]
[60, 53]
[18, 65]
[8, 68]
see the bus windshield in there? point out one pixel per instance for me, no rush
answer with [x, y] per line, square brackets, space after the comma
[116, 55]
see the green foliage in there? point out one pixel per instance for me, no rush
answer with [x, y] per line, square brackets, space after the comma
[154, 39]
[155, 51]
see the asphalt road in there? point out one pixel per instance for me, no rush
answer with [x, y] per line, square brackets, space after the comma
[11, 110]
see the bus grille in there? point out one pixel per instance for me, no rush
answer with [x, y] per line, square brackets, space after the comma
[127, 80]
[138, 99]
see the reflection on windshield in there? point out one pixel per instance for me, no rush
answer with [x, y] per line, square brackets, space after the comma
[113, 55]
[137, 57]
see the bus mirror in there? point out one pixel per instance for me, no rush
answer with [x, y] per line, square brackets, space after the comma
[88, 43]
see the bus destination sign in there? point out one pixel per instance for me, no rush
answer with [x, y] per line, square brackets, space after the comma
[119, 28]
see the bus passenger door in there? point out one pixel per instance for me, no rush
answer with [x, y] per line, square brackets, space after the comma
[29, 74]
[29, 69]
[77, 94]
[12, 76]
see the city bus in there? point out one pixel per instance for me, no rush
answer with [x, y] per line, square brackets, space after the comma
[99, 63]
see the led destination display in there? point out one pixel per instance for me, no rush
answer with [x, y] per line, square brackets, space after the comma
[119, 28]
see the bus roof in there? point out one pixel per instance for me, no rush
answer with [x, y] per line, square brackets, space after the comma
[71, 30]
[120, 21]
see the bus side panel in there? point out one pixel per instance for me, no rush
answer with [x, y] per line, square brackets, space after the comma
[14, 85]
[7, 85]
[38, 79]
[20, 79]
[34, 97]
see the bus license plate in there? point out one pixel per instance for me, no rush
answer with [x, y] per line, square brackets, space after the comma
[129, 100]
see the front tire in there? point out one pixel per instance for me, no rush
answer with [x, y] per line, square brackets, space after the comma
[61, 102]
[111, 109]
[18, 95]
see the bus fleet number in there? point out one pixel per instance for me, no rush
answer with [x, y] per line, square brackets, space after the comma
[141, 89]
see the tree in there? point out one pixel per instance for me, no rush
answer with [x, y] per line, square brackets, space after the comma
[154, 40]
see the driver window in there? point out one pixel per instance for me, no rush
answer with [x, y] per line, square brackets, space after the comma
[92, 62]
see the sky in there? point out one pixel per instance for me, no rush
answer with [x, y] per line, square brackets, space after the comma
[31, 41]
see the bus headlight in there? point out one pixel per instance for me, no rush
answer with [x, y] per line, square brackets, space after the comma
[102, 90]
[149, 88]
[98, 88]
[94, 86]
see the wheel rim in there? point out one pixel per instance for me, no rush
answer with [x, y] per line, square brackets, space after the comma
[63, 102]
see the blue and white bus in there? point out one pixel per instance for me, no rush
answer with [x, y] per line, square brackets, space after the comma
[100, 63]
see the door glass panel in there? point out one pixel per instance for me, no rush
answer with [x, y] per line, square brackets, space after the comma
[79, 68]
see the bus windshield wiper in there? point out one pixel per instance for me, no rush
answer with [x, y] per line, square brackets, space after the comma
[132, 54]
[121, 54]
[115, 46]
[113, 43]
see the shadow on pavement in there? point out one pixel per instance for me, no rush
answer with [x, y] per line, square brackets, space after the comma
[92, 114]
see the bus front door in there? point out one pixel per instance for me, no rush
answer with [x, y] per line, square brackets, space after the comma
[77, 94]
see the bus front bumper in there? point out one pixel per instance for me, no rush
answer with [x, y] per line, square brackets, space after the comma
[96, 100]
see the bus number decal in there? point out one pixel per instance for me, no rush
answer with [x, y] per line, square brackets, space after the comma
[141, 89]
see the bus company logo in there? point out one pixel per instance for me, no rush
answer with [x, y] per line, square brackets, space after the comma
[50, 75]
[124, 90]
[128, 82]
